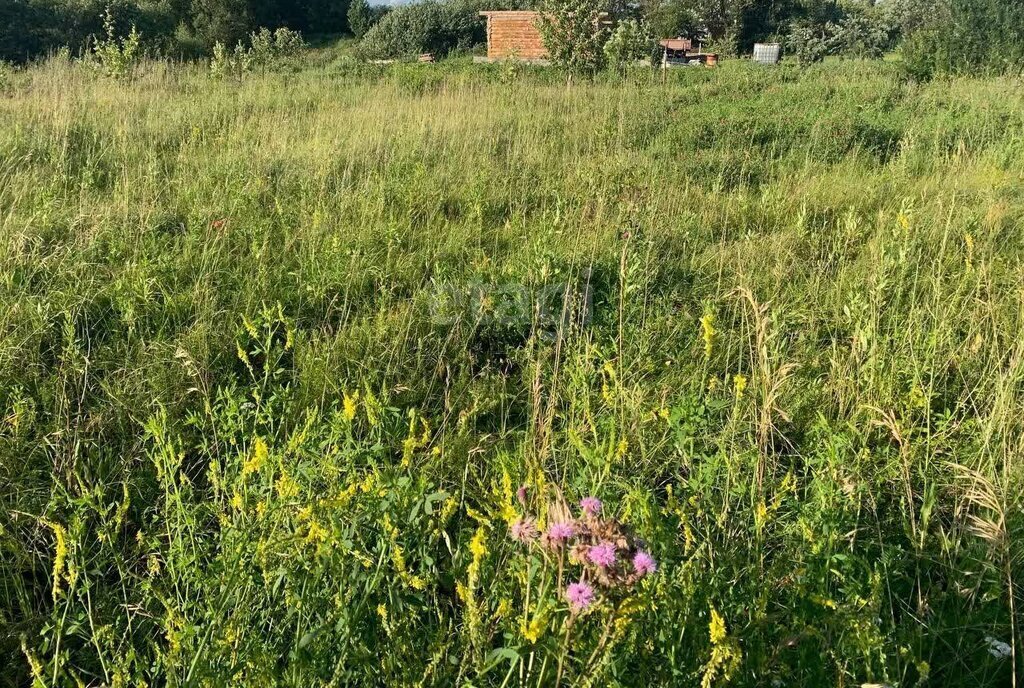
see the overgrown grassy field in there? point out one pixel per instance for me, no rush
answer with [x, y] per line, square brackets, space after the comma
[276, 356]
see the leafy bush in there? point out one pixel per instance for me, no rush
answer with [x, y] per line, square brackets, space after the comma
[270, 48]
[226, 64]
[575, 32]
[967, 36]
[867, 35]
[266, 50]
[854, 32]
[630, 41]
[426, 27]
[674, 18]
[116, 57]
[813, 43]
[360, 17]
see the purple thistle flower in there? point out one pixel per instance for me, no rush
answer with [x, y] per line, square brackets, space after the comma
[603, 554]
[524, 530]
[643, 563]
[580, 596]
[559, 532]
[521, 494]
[591, 506]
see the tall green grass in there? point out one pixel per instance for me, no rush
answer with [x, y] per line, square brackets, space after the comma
[244, 441]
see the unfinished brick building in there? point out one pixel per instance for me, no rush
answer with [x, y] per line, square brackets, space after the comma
[514, 34]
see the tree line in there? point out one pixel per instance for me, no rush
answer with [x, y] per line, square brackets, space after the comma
[174, 28]
[934, 35]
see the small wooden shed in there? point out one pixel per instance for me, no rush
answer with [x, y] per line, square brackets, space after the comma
[514, 34]
[676, 48]
[677, 51]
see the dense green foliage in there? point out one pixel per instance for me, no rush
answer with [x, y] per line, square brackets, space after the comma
[939, 35]
[629, 42]
[267, 386]
[424, 27]
[265, 50]
[856, 30]
[30, 28]
[969, 36]
[360, 17]
[575, 33]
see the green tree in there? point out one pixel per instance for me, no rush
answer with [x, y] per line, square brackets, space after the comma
[423, 27]
[968, 36]
[360, 17]
[225, 21]
[116, 56]
[574, 33]
[733, 25]
[24, 34]
[671, 18]
[630, 41]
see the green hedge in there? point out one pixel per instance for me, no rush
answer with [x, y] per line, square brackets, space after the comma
[969, 36]
[426, 27]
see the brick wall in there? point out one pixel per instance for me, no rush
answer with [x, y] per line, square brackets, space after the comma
[514, 33]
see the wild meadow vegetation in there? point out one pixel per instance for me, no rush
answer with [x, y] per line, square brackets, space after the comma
[457, 375]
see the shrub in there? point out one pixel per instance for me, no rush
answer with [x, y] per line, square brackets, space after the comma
[116, 57]
[813, 44]
[426, 27]
[868, 35]
[225, 64]
[360, 17]
[630, 41]
[575, 34]
[266, 50]
[857, 33]
[967, 36]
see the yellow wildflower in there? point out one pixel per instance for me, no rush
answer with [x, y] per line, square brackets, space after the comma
[447, 509]
[349, 405]
[34, 665]
[59, 557]
[372, 408]
[726, 655]
[506, 495]
[478, 545]
[259, 457]
[760, 515]
[532, 631]
[707, 328]
[477, 516]
[717, 627]
[463, 592]
[739, 384]
[286, 486]
[317, 533]
[368, 483]
[398, 558]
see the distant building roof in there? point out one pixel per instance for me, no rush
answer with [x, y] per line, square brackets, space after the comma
[676, 43]
[510, 14]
